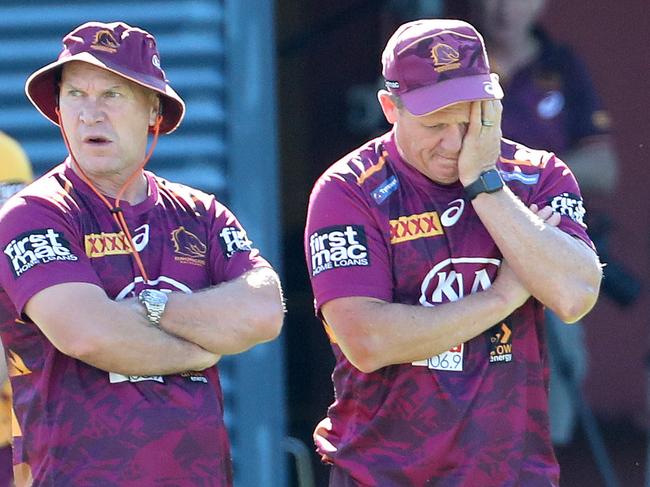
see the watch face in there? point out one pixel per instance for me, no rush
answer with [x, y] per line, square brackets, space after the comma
[492, 180]
[153, 296]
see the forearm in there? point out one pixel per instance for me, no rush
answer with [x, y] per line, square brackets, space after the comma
[560, 271]
[231, 317]
[390, 333]
[112, 336]
[135, 347]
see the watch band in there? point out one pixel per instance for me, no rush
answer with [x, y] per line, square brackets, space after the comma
[489, 181]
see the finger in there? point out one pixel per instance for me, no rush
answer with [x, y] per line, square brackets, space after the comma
[545, 213]
[534, 208]
[491, 112]
[474, 118]
[498, 111]
[554, 219]
[487, 111]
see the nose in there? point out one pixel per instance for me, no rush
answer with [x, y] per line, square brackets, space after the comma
[452, 138]
[90, 113]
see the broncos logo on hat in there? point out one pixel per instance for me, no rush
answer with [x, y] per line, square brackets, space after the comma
[445, 57]
[105, 41]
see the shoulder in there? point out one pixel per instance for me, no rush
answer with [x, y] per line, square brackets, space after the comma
[358, 172]
[183, 195]
[514, 154]
[52, 192]
[533, 171]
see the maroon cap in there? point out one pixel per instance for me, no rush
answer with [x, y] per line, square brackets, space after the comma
[127, 51]
[433, 63]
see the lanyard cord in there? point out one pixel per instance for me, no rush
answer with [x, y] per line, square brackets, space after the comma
[116, 211]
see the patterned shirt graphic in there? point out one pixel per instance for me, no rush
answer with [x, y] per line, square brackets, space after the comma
[76, 424]
[476, 415]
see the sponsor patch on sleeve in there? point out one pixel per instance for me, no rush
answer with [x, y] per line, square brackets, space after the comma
[338, 246]
[385, 189]
[570, 205]
[37, 247]
[234, 240]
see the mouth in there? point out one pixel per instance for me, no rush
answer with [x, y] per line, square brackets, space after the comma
[447, 158]
[96, 140]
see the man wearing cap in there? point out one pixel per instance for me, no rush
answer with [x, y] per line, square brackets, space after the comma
[432, 252]
[15, 174]
[125, 289]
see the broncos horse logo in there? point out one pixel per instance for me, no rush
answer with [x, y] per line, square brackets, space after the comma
[105, 41]
[445, 57]
[188, 244]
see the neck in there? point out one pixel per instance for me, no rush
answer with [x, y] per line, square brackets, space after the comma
[110, 186]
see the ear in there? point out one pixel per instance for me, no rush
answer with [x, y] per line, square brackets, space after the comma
[388, 106]
[156, 109]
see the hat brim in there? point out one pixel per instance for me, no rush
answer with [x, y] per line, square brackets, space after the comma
[429, 99]
[42, 90]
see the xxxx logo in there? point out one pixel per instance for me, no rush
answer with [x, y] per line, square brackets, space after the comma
[412, 227]
[102, 244]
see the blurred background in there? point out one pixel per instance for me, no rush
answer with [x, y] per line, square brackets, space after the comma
[276, 92]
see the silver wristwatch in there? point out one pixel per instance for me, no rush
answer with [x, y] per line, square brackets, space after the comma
[154, 302]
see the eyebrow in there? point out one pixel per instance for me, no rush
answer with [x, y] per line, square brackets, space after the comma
[112, 87]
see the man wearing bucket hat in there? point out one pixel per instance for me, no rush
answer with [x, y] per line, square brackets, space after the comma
[15, 174]
[125, 289]
[432, 252]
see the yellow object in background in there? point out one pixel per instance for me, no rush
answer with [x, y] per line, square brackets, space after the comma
[14, 164]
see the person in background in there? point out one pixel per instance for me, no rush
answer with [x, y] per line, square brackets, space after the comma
[432, 251]
[124, 289]
[551, 104]
[15, 174]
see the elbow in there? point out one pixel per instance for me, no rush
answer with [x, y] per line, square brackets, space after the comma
[574, 307]
[81, 347]
[363, 355]
[268, 325]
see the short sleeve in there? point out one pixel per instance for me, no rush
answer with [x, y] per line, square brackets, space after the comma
[559, 189]
[41, 247]
[345, 245]
[231, 252]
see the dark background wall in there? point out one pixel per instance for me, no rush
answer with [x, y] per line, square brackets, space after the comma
[325, 48]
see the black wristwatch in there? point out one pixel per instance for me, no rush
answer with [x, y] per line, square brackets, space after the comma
[488, 182]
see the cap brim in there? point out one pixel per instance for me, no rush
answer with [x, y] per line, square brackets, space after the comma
[429, 99]
[41, 89]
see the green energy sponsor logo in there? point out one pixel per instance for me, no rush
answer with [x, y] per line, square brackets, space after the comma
[37, 247]
[233, 240]
[338, 246]
[500, 343]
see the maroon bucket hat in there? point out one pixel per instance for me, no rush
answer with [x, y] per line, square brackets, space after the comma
[127, 51]
[433, 63]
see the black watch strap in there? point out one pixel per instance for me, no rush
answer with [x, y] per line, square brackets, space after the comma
[488, 182]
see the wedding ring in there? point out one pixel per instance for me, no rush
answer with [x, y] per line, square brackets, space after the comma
[487, 123]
